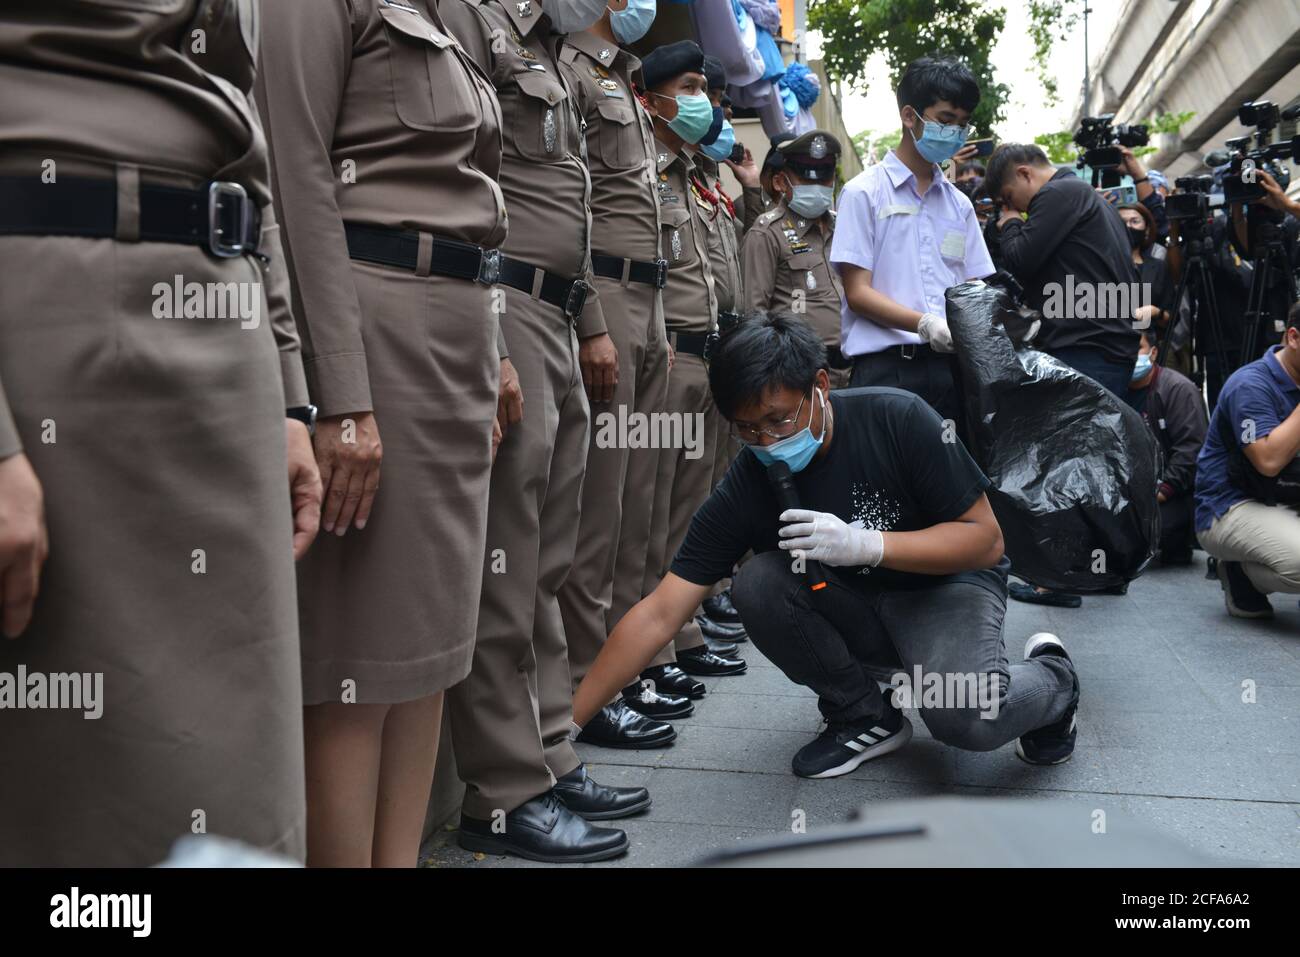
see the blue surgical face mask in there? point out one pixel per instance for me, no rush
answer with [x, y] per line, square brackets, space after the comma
[1143, 366]
[694, 116]
[938, 142]
[797, 450]
[720, 148]
[811, 202]
[715, 128]
[633, 22]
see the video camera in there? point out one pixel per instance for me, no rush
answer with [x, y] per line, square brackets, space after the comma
[1192, 201]
[1239, 183]
[1101, 139]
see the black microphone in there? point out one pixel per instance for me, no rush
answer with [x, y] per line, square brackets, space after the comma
[782, 479]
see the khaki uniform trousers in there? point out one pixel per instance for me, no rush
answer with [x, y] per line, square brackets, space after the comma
[510, 718]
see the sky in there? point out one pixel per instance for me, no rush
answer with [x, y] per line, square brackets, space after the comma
[1027, 110]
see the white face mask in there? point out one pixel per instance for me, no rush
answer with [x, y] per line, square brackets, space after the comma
[573, 16]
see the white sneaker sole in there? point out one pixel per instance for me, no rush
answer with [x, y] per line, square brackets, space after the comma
[1037, 641]
[879, 749]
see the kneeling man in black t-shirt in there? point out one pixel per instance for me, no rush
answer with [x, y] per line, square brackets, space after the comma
[893, 508]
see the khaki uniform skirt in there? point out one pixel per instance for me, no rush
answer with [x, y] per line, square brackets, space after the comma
[389, 612]
[159, 443]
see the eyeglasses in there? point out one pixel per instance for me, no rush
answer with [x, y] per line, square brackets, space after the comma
[748, 435]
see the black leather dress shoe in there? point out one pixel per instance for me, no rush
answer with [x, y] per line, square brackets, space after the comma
[701, 661]
[543, 829]
[598, 802]
[720, 609]
[720, 631]
[723, 649]
[618, 726]
[647, 699]
[672, 680]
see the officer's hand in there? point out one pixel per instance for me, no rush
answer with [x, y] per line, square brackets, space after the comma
[24, 542]
[672, 356]
[599, 361]
[824, 537]
[349, 454]
[746, 171]
[497, 436]
[510, 399]
[305, 490]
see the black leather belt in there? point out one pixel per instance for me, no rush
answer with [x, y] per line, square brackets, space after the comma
[837, 359]
[450, 257]
[911, 350]
[220, 217]
[401, 248]
[611, 267]
[696, 343]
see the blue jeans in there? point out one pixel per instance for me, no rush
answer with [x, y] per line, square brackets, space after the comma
[840, 640]
[1093, 363]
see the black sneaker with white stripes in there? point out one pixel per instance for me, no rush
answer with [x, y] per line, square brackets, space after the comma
[1053, 743]
[842, 746]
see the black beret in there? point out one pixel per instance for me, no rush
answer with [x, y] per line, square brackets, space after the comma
[671, 60]
[715, 72]
[812, 155]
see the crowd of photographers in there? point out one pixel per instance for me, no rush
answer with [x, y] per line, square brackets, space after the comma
[1214, 255]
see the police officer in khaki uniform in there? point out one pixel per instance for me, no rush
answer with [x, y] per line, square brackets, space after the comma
[785, 251]
[618, 489]
[147, 361]
[511, 718]
[384, 145]
[676, 96]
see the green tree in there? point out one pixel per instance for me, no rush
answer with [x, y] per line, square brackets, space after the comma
[876, 144]
[1059, 147]
[906, 29]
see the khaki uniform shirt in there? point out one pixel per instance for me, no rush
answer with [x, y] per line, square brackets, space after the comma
[690, 302]
[105, 89]
[544, 169]
[378, 118]
[786, 268]
[724, 231]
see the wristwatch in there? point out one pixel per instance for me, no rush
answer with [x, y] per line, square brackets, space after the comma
[306, 414]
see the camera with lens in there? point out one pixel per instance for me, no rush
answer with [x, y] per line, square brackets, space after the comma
[1240, 184]
[1192, 201]
[1101, 139]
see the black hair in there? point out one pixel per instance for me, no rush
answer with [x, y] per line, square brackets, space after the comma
[1293, 316]
[971, 167]
[1006, 158]
[933, 78]
[762, 352]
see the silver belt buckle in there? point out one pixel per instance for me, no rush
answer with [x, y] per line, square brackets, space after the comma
[489, 270]
[219, 242]
[907, 350]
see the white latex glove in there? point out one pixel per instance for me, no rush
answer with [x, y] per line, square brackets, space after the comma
[934, 331]
[825, 538]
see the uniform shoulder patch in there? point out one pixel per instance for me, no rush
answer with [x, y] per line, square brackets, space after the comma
[767, 217]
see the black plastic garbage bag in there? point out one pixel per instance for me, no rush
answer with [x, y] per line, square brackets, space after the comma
[1074, 469]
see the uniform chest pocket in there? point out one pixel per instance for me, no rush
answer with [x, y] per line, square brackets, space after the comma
[808, 272]
[537, 116]
[432, 89]
[950, 237]
[621, 146]
[678, 243]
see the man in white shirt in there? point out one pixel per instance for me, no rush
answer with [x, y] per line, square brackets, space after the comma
[904, 235]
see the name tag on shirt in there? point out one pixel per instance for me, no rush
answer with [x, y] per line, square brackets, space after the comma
[954, 245]
[896, 209]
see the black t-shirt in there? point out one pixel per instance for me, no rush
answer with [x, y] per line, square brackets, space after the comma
[891, 466]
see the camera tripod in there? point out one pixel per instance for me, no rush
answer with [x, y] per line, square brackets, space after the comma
[1270, 261]
[1197, 280]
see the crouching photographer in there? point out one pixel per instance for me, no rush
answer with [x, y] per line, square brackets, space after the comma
[1248, 479]
[876, 553]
